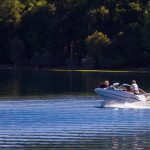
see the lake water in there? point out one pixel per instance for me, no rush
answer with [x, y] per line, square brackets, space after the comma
[59, 110]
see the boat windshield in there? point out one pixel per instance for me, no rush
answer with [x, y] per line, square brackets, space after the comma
[124, 87]
[114, 86]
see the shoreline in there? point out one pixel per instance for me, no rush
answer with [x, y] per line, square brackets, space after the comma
[69, 69]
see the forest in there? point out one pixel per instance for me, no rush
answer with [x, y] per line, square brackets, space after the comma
[90, 34]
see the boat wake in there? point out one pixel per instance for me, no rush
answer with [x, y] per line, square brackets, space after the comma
[127, 105]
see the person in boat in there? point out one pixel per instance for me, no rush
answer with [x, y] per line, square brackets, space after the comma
[104, 84]
[134, 87]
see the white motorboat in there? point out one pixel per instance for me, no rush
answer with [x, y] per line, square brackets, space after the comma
[121, 93]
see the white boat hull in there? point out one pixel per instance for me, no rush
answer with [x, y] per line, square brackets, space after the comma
[119, 95]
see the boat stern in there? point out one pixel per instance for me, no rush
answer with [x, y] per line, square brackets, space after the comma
[141, 97]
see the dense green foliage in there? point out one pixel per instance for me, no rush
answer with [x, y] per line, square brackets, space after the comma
[75, 33]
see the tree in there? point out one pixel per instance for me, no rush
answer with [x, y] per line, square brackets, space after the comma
[11, 11]
[38, 27]
[17, 52]
[146, 29]
[97, 44]
[146, 36]
[47, 29]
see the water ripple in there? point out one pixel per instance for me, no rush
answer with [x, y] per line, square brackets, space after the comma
[71, 123]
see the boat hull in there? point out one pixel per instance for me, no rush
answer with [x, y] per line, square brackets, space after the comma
[119, 95]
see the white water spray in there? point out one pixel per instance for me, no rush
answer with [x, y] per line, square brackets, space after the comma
[129, 105]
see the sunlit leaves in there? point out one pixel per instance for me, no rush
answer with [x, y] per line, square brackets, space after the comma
[10, 11]
[34, 5]
[97, 42]
[102, 10]
[52, 8]
[135, 6]
[98, 38]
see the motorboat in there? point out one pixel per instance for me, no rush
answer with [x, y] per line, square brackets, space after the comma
[121, 93]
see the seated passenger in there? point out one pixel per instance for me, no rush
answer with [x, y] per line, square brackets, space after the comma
[104, 84]
[134, 87]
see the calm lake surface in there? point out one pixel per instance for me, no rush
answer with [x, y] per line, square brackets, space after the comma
[59, 110]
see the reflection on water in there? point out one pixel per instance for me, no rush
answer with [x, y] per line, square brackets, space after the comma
[23, 83]
[71, 123]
